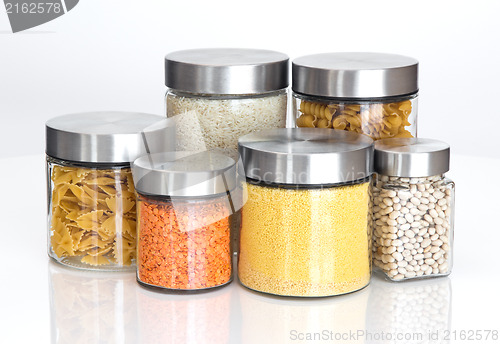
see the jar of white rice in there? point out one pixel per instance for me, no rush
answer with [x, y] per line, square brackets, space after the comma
[216, 96]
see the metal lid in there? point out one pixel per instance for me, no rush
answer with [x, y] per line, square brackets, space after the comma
[184, 174]
[411, 157]
[306, 156]
[107, 137]
[355, 75]
[226, 71]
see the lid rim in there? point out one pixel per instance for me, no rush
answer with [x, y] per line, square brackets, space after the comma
[228, 75]
[108, 137]
[334, 161]
[219, 178]
[361, 75]
[411, 157]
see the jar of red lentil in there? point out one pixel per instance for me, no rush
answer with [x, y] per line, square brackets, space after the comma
[306, 223]
[184, 208]
[370, 93]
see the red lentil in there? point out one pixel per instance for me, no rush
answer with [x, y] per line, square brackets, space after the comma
[184, 244]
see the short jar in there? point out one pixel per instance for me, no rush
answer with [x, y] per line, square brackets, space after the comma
[306, 227]
[413, 208]
[90, 191]
[184, 208]
[216, 96]
[370, 93]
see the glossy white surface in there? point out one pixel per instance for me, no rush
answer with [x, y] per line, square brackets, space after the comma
[43, 302]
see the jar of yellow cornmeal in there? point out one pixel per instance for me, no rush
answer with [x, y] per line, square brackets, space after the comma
[306, 227]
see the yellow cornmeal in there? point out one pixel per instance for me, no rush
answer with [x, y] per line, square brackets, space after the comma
[305, 242]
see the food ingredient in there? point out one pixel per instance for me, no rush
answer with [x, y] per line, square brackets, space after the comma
[212, 123]
[376, 120]
[92, 215]
[412, 226]
[184, 244]
[305, 242]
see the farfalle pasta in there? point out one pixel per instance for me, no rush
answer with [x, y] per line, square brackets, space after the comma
[377, 120]
[93, 215]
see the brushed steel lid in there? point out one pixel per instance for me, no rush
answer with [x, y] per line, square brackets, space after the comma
[107, 137]
[411, 157]
[184, 174]
[306, 156]
[226, 71]
[355, 75]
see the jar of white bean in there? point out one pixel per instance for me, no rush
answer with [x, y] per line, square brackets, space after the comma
[413, 208]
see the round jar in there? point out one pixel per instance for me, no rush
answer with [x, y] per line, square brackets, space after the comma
[219, 95]
[370, 93]
[413, 208]
[91, 200]
[306, 226]
[184, 204]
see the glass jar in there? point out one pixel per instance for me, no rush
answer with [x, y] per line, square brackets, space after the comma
[231, 92]
[184, 204]
[305, 225]
[91, 200]
[370, 93]
[413, 209]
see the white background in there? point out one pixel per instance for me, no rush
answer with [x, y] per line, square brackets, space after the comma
[108, 55]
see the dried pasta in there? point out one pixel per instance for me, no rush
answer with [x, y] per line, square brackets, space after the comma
[379, 121]
[93, 215]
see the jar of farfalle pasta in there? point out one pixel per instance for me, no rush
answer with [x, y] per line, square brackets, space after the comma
[370, 93]
[184, 206]
[91, 195]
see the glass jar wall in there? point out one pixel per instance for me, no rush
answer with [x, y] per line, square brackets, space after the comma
[184, 244]
[367, 93]
[421, 223]
[305, 241]
[378, 119]
[92, 215]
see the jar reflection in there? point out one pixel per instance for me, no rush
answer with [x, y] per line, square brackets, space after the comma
[184, 318]
[418, 308]
[271, 319]
[91, 307]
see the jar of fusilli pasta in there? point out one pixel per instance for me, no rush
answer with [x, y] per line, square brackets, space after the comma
[370, 93]
[91, 195]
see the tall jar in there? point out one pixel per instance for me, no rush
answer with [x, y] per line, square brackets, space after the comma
[306, 227]
[370, 93]
[184, 203]
[91, 200]
[219, 95]
[413, 208]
